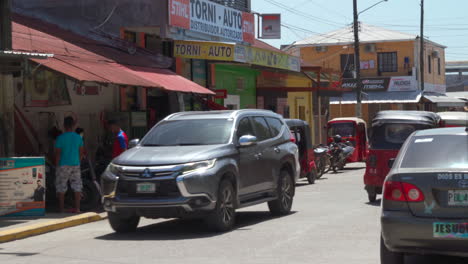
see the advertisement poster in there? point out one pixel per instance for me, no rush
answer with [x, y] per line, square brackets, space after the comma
[271, 26]
[204, 50]
[22, 186]
[213, 19]
[402, 83]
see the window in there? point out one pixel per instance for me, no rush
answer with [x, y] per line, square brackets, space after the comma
[344, 129]
[347, 65]
[429, 64]
[387, 62]
[392, 136]
[245, 128]
[262, 131]
[275, 126]
[189, 133]
[438, 66]
[130, 36]
[447, 151]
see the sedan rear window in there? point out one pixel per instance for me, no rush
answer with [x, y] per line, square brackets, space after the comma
[189, 133]
[441, 151]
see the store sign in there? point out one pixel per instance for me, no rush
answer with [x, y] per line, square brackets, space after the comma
[22, 186]
[271, 26]
[267, 58]
[368, 84]
[210, 18]
[435, 88]
[204, 50]
[220, 93]
[402, 83]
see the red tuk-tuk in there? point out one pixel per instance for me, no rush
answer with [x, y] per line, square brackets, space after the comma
[300, 132]
[390, 129]
[350, 129]
[453, 119]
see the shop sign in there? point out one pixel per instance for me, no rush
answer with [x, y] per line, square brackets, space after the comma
[271, 26]
[221, 94]
[204, 50]
[267, 58]
[22, 186]
[368, 84]
[402, 83]
[210, 18]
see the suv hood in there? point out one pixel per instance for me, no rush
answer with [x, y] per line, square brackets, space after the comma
[156, 156]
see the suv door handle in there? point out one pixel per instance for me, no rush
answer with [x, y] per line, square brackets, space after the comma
[277, 150]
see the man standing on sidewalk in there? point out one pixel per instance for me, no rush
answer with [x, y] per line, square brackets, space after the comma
[69, 152]
[120, 141]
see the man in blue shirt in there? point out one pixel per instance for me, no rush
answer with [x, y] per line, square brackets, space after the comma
[68, 153]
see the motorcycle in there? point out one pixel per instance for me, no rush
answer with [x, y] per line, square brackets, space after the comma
[339, 153]
[322, 159]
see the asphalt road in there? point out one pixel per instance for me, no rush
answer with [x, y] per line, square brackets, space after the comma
[331, 223]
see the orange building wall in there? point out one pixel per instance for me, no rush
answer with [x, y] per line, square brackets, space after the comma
[331, 58]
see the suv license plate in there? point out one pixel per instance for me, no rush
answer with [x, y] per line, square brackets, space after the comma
[146, 188]
[458, 198]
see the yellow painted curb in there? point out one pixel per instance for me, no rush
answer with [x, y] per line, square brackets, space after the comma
[41, 228]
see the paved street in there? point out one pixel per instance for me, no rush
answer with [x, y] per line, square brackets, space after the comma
[331, 223]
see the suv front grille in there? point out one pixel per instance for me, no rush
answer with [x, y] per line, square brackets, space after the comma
[164, 189]
[151, 174]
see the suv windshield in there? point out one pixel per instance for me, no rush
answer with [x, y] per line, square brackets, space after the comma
[392, 136]
[189, 133]
[345, 129]
[444, 151]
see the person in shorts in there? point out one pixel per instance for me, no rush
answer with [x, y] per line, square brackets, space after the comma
[69, 152]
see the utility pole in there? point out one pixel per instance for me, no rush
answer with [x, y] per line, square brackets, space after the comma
[5, 25]
[421, 48]
[357, 61]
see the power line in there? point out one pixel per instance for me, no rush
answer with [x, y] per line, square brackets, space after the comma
[303, 14]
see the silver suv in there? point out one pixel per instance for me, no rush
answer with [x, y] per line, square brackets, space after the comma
[203, 165]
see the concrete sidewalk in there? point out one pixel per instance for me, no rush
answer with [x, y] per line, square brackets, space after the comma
[18, 228]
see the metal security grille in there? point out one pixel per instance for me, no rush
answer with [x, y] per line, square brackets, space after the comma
[387, 62]
[243, 5]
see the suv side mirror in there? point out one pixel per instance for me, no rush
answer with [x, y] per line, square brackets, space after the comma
[390, 163]
[133, 143]
[247, 140]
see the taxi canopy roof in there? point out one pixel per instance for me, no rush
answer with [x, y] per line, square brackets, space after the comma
[408, 117]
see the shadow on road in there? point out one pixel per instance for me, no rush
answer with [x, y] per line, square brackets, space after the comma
[353, 168]
[376, 203]
[18, 254]
[179, 229]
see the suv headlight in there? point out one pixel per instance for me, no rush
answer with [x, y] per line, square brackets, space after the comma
[112, 172]
[198, 166]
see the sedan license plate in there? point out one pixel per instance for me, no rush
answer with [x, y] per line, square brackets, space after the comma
[458, 198]
[450, 230]
[146, 188]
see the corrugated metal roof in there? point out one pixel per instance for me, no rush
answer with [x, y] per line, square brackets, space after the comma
[443, 100]
[379, 97]
[367, 34]
[88, 60]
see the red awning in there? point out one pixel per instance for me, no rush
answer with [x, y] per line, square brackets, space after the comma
[85, 59]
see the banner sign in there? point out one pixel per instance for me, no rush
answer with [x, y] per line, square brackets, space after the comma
[210, 18]
[267, 58]
[22, 186]
[402, 83]
[204, 50]
[368, 84]
[271, 26]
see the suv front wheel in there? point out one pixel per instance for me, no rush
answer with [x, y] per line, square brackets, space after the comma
[123, 224]
[224, 215]
[282, 205]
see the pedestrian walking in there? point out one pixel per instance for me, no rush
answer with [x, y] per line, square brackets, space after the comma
[120, 139]
[69, 153]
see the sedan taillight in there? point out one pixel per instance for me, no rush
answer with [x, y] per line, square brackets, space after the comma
[402, 192]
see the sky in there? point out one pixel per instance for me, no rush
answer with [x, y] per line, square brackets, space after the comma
[446, 21]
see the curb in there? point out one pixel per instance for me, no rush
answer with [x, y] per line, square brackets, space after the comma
[42, 228]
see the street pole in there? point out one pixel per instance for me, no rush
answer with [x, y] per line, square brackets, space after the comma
[357, 61]
[421, 48]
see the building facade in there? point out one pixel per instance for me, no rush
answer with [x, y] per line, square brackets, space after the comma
[389, 63]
